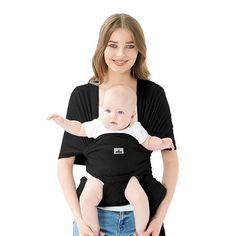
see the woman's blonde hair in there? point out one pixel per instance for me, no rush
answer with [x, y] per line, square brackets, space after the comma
[139, 69]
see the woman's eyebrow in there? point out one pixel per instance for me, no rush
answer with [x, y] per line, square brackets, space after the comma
[111, 41]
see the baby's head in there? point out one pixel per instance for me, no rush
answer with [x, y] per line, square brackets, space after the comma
[118, 107]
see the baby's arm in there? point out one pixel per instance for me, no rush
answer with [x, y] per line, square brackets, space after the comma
[71, 126]
[153, 143]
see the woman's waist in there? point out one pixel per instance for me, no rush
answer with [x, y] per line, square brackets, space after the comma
[108, 177]
[118, 208]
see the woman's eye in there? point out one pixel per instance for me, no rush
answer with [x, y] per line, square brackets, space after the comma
[130, 46]
[107, 110]
[121, 112]
[112, 45]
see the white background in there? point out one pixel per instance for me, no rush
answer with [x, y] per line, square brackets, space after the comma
[45, 51]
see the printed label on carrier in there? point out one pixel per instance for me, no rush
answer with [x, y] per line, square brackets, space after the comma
[119, 151]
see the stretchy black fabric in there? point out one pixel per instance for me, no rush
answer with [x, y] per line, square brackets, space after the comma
[153, 113]
[112, 166]
[114, 158]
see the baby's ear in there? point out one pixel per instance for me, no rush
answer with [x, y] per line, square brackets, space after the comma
[133, 115]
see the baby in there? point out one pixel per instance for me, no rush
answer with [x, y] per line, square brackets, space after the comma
[118, 112]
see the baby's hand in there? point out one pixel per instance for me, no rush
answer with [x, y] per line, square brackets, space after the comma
[167, 143]
[56, 118]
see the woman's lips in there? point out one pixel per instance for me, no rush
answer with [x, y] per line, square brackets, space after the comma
[119, 62]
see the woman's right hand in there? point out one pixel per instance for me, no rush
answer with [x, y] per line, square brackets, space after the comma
[85, 230]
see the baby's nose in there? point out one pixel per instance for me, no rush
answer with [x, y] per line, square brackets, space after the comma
[113, 114]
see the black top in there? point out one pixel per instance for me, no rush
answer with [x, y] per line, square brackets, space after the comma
[152, 108]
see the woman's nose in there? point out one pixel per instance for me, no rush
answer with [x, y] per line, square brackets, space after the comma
[120, 52]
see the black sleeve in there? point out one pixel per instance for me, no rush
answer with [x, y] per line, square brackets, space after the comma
[78, 109]
[155, 112]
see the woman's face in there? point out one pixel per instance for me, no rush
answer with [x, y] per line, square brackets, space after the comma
[121, 52]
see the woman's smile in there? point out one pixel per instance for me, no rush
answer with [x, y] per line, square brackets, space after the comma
[120, 62]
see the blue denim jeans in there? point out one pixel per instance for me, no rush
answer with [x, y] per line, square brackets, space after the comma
[114, 223]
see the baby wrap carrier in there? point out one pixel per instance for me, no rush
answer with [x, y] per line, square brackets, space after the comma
[153, 113]
[114, 158]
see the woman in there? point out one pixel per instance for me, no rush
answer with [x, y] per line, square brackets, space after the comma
[120, 58]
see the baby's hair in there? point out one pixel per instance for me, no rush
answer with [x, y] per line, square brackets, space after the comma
[124, 92]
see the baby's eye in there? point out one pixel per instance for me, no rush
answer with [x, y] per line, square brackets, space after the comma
[121, 112]
[107, 110]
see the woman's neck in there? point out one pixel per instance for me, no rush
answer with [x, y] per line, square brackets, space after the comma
[114, 79]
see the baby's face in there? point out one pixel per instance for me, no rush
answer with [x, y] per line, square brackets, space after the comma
[117, 114]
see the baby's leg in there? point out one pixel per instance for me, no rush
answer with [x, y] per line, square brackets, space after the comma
[89, 199]
[135, 194]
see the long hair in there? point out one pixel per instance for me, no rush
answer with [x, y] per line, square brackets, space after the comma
[115, 21]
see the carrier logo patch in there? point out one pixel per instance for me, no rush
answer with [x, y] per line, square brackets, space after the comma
[119, 151]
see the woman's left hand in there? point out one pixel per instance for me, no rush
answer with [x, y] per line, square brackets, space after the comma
[154, 228]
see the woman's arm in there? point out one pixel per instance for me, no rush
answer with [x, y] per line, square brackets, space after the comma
[66, 179]
[169, 180]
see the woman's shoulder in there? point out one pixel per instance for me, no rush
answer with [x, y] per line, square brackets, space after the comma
[84, 102]
[148, 86]
[84, 89]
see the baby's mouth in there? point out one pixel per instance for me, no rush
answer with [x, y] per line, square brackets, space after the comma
[113, 123]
